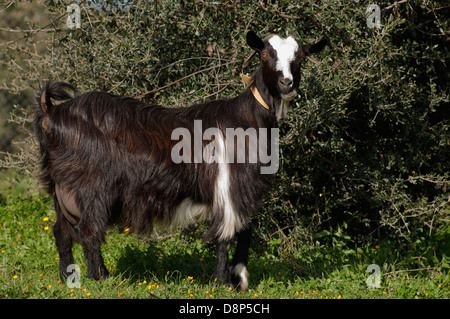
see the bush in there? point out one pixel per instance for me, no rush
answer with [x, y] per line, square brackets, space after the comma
[367, 141]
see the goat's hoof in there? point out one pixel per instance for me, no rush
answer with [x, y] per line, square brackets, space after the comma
[239, 277]
[102, 273]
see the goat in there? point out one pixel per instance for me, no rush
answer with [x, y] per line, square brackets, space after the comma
[109, 159]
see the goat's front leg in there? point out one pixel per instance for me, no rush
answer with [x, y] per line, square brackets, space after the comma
[239, 274]
[221, 274]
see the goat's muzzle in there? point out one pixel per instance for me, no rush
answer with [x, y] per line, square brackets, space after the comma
[285, 85]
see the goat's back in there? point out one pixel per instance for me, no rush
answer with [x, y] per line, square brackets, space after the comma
[114, 154]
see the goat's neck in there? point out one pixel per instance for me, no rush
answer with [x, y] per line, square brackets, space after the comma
[276, 104]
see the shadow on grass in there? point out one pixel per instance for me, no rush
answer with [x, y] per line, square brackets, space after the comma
[192, 258]
[138, 263]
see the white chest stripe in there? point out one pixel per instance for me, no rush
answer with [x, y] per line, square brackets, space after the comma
[285, 49]
[222, 200]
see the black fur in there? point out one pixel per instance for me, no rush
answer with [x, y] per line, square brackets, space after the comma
[110, 157]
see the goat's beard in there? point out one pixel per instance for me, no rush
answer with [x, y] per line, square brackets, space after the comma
[288, 96]
[284, 105]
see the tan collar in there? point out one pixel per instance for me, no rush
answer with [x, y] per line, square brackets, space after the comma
[248, 80]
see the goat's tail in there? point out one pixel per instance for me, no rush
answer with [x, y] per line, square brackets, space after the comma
[58, 91]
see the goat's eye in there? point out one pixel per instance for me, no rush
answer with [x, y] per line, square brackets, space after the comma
[264, 55]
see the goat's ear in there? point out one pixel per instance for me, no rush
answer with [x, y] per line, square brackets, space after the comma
[254, 41]
[315, 48]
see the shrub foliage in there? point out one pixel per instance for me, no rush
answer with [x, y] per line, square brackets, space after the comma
[366, 144]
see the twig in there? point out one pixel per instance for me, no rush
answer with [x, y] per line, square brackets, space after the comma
[184, 60]
[121, 282]
[117, 85]
[32, 30]
[411, 270]
[153, 296]
[7, 6]
[395, 4]
[185, 77]
[159, 238]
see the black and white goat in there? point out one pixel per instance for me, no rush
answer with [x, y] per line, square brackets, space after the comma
[108, 159]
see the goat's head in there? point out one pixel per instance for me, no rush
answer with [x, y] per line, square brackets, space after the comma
[281, 60]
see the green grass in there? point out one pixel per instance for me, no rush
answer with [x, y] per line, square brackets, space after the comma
[181, 265]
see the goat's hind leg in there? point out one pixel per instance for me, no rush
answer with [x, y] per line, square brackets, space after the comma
[92, 252]
[64, 233]
[92, 230]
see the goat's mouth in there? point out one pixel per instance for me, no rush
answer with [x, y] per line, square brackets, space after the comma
[288, 96]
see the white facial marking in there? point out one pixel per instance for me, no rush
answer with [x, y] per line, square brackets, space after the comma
[285, 49]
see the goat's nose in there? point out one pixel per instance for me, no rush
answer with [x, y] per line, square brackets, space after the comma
[286, 82]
